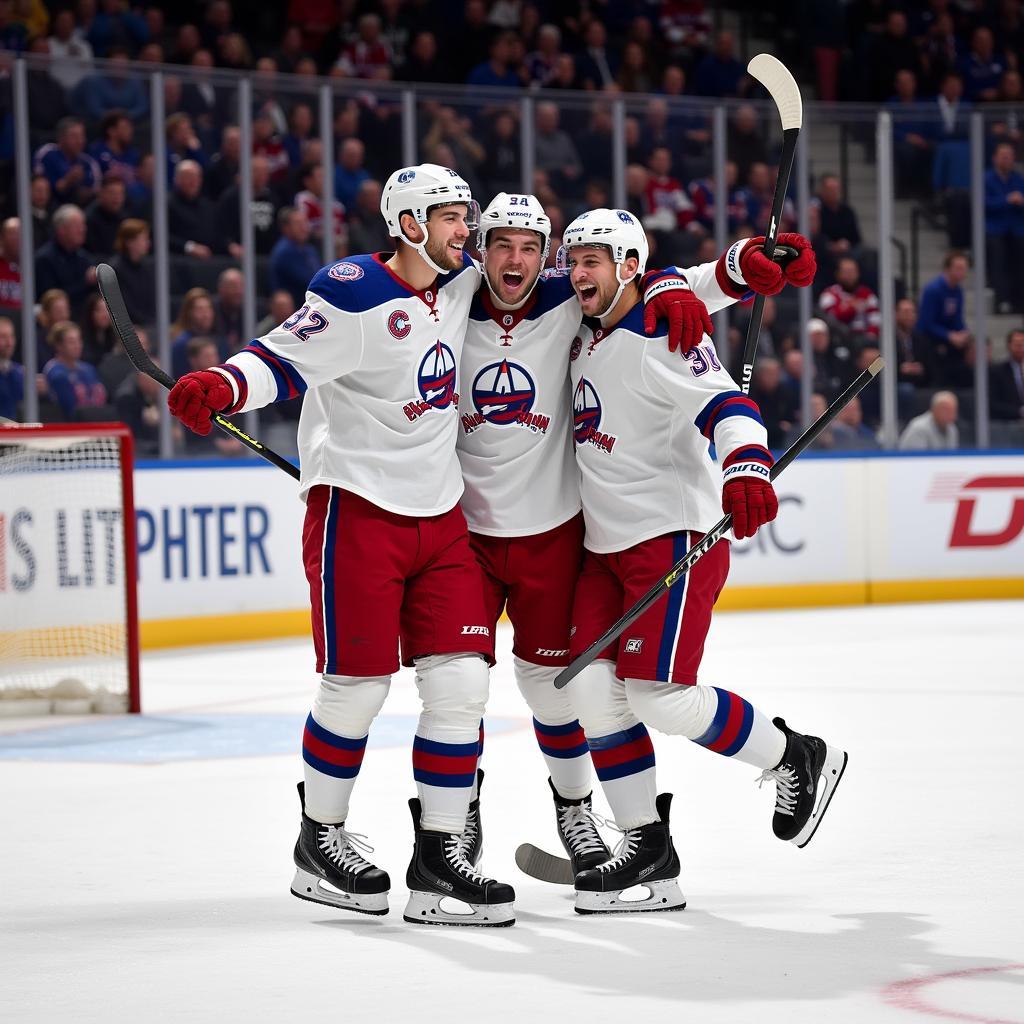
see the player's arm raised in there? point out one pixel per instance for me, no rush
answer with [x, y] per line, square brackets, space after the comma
[317, 343]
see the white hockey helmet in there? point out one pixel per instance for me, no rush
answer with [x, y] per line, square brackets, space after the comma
[516, 211]
[618, 230]
[417, 190]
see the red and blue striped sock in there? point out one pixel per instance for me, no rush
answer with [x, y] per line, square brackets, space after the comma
[444, 774]
[624, 762]
[332, 763]
[566, 753]
[739, 730]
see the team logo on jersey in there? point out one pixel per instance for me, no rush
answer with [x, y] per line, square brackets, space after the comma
[399, 324]
[503, 394]
[345, 272]
[575, 349]
[437, 375]
[586, 407]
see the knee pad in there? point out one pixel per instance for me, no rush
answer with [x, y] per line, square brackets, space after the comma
[537, 685]
[671, 708]
[598, 697]
[346, 705]
[453, 689]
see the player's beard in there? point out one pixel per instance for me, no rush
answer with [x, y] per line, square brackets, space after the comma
[439, 252]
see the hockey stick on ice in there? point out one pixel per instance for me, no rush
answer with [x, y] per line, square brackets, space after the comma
[106, 278]
[782, 88]
[717, 532]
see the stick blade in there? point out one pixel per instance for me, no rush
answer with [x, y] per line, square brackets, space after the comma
[543, 866]
[781, 86]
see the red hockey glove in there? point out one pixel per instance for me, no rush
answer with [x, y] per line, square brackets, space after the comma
[751, 502]
[795, 265]
[197, 396]
[668, 297]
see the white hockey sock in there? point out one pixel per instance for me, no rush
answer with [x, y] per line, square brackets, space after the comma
[558, 731]
[453, 689]
[717, 719]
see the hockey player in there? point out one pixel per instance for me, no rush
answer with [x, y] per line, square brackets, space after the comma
[522, 498]
[643, 422]
[376, 349]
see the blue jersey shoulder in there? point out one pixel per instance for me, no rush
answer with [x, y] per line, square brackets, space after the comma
[553, 289]
[356, 284]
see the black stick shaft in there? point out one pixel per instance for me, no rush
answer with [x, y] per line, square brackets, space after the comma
[716, 533]
[106, 278]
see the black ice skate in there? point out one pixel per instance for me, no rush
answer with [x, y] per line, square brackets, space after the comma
[473, 837]
[577, 828]
[330, 870]
[444, 888]
[805, 781]
[644, 857]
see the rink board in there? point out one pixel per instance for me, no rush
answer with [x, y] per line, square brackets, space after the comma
[220, 556]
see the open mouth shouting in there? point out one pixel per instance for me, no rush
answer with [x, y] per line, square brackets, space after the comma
[587, 293]
[512, 280]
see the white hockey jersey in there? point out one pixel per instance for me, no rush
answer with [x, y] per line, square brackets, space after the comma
[643, 420]
[379, 363]
[515, 438]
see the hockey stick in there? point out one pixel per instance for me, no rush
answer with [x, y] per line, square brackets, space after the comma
[717, 532]
[543, 866]
[106, 278]
[782, 88]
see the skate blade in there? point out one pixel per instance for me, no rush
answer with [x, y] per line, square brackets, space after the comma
[430, 908]
[544, 866]
[308, 886]
[831, 775]
[664, 895]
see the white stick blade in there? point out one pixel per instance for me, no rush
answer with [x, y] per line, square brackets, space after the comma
[781, 86]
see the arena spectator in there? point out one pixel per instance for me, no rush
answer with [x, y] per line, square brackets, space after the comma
[41, 197]
[310, 202]
[267, 143]
[115, 25]
[499, 70]
[217, 23]
[465, 43]
[70, 51]
[939, 51]
[349, 173]
[422, 63]
[566, 73]
[225, 163]
[1004, 228]
[367, 231]
[300, 131]
[1006, 381]
[596, 66]
[262, 212]
[64, 262]
[113, 150]
[670, 206]
[104, 215]
[98, 337]
[457, 133]
[202, 101]
[825, 440]
[542, 62]
[12, 373]
[888, 52]
[941, 320]
[367, 53]
[636, 73]
[72, 384]
[501, 167]
[291, 50]
[913, 146]
[73, 175]
[912, 347]
[191, 216]
[759, 196]
[935, 429]
[556, 152]
[113, 88]
[982, 67]
[849, 306]
[1010, 124]
[838, 220]
[233, 52]
[279, 308]
[293, 261]
[850, 432]
[227, 310]
[774, 401]
[182, 144]
[952, 110]
[53, 307]
[187, 42]
[138, 400]
[10, 272]
[832, 364]
[745, 143]
[135, 271]
[201, 354]
[720, 73]
[116, 366]
[196, 318]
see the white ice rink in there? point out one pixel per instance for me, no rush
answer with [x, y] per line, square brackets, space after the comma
[145, 862]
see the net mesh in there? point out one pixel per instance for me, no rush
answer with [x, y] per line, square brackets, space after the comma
[63, 601]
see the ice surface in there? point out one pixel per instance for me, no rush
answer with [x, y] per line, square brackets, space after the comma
[145, 863]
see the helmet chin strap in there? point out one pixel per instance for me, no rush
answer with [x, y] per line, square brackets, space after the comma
[615, 298]
[421, 248]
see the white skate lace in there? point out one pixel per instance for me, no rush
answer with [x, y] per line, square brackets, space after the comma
[468, 837]
[343, 848]
[579, 826]
[624, 848]
[785, 787]
[455, 854]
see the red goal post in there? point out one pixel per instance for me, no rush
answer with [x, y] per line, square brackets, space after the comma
[69, 631]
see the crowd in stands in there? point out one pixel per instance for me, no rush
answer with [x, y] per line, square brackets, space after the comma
[93, 172]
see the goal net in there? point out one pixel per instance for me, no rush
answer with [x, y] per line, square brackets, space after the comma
[68, 614]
